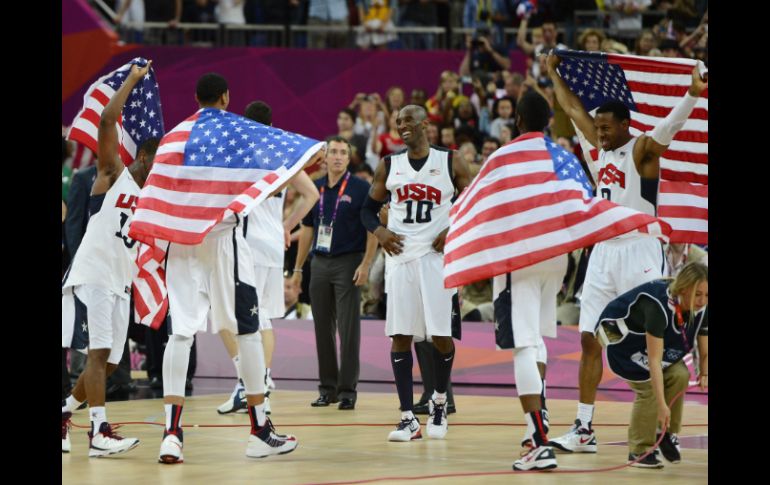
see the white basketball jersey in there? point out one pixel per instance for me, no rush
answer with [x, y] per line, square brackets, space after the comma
[619, 181]
[106, 255]
[419, 201]
[264, 232]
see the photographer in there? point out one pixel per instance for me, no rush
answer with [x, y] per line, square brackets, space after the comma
[492, 14]
[481, 54]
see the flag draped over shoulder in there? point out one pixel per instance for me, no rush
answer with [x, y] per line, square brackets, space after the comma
[531, 201]
[142, 117]
[210, 166]
[651, 87]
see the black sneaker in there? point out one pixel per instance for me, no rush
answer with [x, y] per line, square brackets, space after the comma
[649, 461]
[669, 447]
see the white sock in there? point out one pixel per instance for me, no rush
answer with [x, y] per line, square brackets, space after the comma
[407, 415]
[98, 416]
[585, 414]
[70, 404]
[237, 364]
[439, 398]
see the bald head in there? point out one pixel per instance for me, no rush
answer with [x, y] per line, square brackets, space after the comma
[411, 124]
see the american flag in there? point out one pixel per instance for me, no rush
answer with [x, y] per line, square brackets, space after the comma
[531, 201]
[210, 166]
[651, 87]
[142, 118]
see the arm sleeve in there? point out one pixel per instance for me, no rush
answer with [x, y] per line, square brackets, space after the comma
[370, 214]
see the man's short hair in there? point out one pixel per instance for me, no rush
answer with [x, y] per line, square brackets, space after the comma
[363, 167]
[340, 139]
[534, 111]
[210, 87]
[619, 110]
[260, 112]
[350, 113]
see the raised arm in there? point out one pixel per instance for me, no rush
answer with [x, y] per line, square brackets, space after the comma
[108, 164]
[649, 147]
[521, 38]
[571, 103]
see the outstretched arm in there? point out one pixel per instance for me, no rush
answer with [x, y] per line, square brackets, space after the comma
[571, 103]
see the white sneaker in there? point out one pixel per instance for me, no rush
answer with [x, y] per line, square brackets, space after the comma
[437, 422]
[65, 432]
[106, 443]
[407, 430]
[171, 448]
[577, 440]
[267, 442]
[235, 403]
[540, 458]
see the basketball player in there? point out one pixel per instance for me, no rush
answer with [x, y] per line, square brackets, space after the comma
[422, 181]
[216, 276]
[628, 172]
[97, 287]
[267, 235]
[525, 300]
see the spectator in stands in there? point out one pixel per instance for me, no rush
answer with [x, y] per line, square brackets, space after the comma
[377, 28]
[345, 122]
[492, 14]
[470, 157]
[487, 148]
[646, 44]
[503, 110]
[432, 133]
[441, 105]
[534, 49]
[465, 117]
[506, 134]
[388, 142]
[230, 12]
[482, 54]
[418, 97]
[448, 137]
[371, 112]
[626, 14]
[670, 48]
[591, 40]
[131, 12]
[394, 99]
[513, 85]
[418, 13]
[333, 13]
[364, 172]
[295, 310]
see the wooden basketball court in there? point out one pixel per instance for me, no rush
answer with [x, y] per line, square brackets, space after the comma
[352, 446]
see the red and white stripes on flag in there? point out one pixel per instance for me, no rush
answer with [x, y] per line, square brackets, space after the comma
[657, 85]
[141, 116]
[202, 175]
[529, 203]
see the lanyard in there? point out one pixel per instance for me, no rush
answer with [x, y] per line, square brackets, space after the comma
[680, 322]
[337, 204]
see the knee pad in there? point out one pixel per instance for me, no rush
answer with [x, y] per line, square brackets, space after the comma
[525, 370]
[252, 358]
[176, 358]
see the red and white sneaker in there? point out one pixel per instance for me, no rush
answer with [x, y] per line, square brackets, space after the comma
[268, 442]
[106, 442]
[65, 432]
[171, 448]
[540, 458]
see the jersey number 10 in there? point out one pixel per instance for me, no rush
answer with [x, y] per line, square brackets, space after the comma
[423, 211]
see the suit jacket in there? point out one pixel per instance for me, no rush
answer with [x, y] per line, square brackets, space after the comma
[77, 208]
